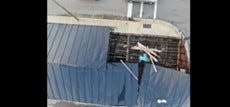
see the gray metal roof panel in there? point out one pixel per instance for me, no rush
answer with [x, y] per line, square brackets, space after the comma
[53, 83]
[50, 26]
[115, 86]
[82, 47]
[51, 38]
[61, 48]
[69, 46]
[94, 85]
[56, 42]
[78, 45]
[166, 84]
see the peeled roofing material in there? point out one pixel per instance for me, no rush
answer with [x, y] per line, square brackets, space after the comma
[78, 71]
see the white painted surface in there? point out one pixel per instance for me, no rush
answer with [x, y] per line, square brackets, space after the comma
[130, 9]
[155, 10]
[141, 10]
[161, 101]
[158, 27]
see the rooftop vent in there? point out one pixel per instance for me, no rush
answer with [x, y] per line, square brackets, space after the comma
[146, 25]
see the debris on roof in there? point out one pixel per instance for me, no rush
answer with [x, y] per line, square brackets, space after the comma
[78, 70]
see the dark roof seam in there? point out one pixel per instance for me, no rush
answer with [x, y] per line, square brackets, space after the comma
[51, 28]
[184, 90]
[91, 86]
[85, 85]
[70, 65]
[180, 94]
[107, 30]
[51, 46]
[78, 85]
[70, 44]
[52, 37]
[51, 87]
[68, 37]
[168, 86]
[63, 82]
[88, 40]
[55, 80]
[59, 42]
[96, 39]
[147, 86]
[177, 97]
[104, 89]
[70, 84]
[106, 44]
[75, 36]
[48, 27]
[98, 95]
[75, 46]
[83, 37]
[103, 39]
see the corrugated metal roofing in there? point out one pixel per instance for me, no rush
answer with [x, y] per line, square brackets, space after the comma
[77, 68]
[78, 45]
[166, 84]
[78, 71]
[114, 86]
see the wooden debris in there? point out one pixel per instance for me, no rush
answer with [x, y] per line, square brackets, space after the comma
[149, 52]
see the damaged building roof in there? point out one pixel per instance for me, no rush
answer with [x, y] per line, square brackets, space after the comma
[78, 71]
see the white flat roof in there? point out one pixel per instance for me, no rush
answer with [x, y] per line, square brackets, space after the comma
[158, 27]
